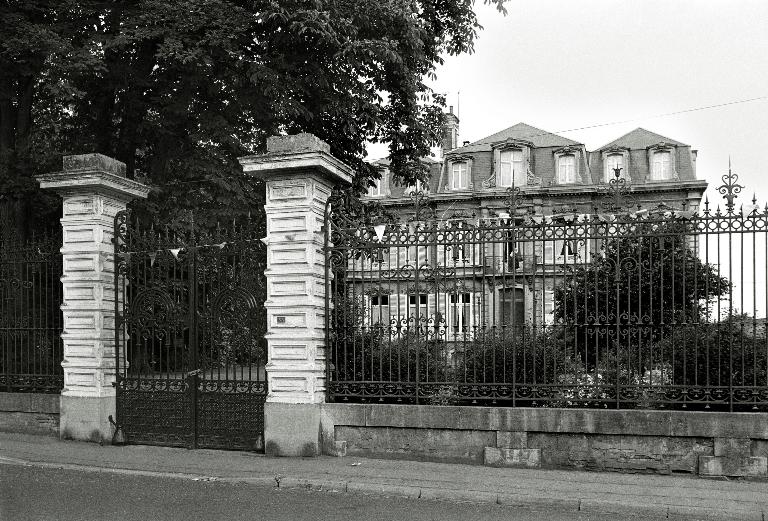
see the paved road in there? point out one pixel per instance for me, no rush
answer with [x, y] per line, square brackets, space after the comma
[36, 494]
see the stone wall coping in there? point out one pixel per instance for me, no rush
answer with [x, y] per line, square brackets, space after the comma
[299, 162]
[89, 180]
[29, 402]
[551, 420]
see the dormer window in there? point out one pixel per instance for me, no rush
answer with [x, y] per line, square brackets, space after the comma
[377, 189]
[567, 165]
[661, 168]
[511, 168]
[511, 165]
[417, 187]
[380, 187]
[566, 169]
[612, 162]
[459, 175]
[613, 158]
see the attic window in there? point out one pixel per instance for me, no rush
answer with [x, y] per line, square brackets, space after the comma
[377, 190]
[567, 165]
[418, 186]
[566, 168]
[612, 162]
[381, 185]
[511, 168]
[460, 175]
[661, 168]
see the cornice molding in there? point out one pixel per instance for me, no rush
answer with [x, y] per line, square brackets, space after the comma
[511, 143]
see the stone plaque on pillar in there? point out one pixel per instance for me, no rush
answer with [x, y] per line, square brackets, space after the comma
[93, 188]
[299, 175]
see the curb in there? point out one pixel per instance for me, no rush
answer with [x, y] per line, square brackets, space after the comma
[596, 506]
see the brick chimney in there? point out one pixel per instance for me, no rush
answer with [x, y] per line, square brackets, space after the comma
[450, 132]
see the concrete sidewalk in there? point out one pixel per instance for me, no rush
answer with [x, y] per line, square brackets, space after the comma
[662, 497]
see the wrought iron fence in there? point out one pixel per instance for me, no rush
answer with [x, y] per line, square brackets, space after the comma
[621, 307]
[30, 315]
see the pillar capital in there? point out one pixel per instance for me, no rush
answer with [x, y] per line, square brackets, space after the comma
[295, 156]
[93, 174]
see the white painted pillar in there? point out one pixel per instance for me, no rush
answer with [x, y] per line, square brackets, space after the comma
[299, 174]
[93, 188]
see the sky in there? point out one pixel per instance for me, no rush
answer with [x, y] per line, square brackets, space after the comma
[561, 66]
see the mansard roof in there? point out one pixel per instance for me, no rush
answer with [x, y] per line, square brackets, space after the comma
[524, 132]
[640, 139]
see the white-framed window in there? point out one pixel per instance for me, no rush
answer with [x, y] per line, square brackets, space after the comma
[562, 251]
[377, 190]
[459, 175]
[378, 310]
[612, 162]
[566, 168]
[549, 307]
[661, 168]
[422, 299]
[418, 186]
[460, 319]
[511, 168]
[418, 312]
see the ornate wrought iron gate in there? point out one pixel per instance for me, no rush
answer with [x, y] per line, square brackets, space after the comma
[190, 335]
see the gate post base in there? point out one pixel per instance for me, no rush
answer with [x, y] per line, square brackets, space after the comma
[86, 418]
[292, 429]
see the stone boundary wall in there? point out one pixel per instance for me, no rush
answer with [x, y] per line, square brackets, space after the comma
[703, 443]
[29, 413]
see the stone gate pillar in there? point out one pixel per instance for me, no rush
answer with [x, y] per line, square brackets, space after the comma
[299, 174]
[93, 188]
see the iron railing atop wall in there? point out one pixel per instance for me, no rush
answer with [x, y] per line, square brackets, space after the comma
[620, 307]
[30, 315]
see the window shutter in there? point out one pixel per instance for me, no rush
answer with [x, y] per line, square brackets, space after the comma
[497, 165]
[527, 164]
[468, 184]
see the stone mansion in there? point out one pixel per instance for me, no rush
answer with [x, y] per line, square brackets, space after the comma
[503, 278]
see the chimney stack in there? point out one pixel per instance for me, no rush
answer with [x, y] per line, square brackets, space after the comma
[450, 132]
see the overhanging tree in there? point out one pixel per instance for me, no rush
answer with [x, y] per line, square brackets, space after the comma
[179, 89]
[645, 284]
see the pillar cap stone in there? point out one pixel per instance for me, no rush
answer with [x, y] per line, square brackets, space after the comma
[88, 173]
[86, 162]
[297, 154]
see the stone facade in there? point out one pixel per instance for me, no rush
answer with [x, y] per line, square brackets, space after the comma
[543, 193]
[93, 188]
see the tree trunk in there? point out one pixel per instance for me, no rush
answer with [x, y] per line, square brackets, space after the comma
[134, 107]
[7, 118]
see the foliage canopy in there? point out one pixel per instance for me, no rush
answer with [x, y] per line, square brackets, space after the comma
[644, 283]
[179, 89]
